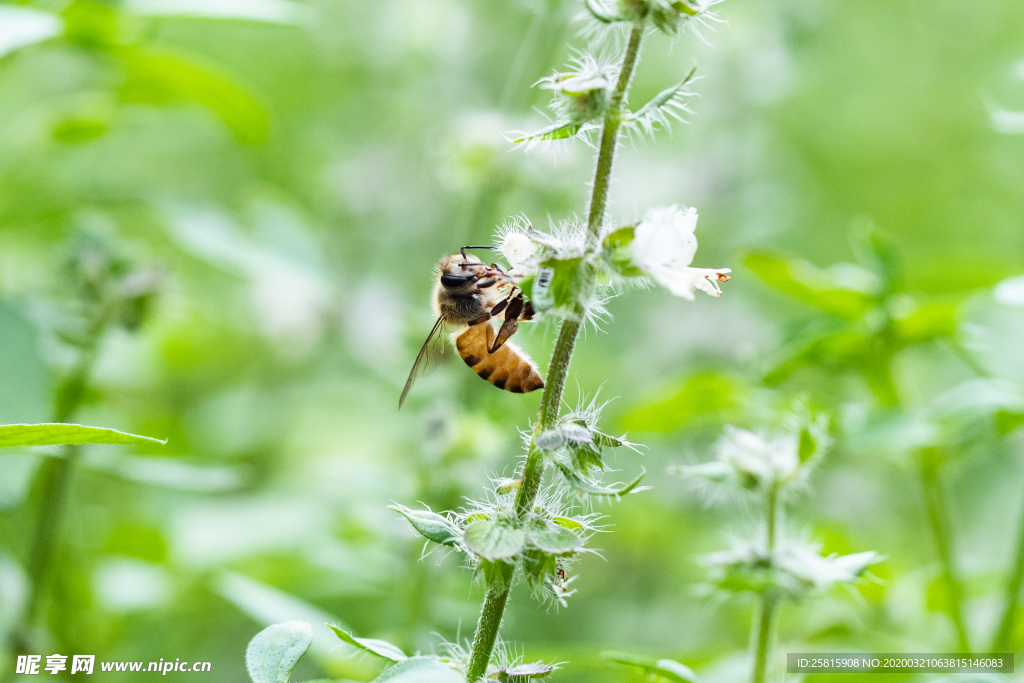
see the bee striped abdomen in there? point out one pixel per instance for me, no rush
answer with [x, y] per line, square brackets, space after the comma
[507, 368]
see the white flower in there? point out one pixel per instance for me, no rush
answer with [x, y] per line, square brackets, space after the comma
[664, 246]
[807, 566]
[517, 249]
[757, 461]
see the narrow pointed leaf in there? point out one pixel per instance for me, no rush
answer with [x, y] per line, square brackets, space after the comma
[381, 648]
[274, 651]
[662, 98]
[59, 433]
[567, 522]
[430, 525]
[535, 670]
[494, 539]
[581, 485]
[556, 131]
[685, 8]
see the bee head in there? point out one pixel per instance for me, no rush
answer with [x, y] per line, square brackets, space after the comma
[457, 272]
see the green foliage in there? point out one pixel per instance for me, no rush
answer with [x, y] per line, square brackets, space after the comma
[702, 398]
[269, 360]
[494, 539]
[430, 525]
[420, 670]
[162, 78]
[56, 434]
[584, 486]
[274, 651]
[667, 669]
[809, 284]
[381, 648]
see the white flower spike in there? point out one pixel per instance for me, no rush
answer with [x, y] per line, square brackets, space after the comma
[664, 245]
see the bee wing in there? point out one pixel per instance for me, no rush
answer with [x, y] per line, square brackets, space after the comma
[430, 356]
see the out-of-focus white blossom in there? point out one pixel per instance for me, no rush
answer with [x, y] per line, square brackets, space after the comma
[664, 245]
[805, 564]
[794, 571]
[759, 461]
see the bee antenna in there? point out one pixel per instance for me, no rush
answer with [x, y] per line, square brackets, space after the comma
[479, 246]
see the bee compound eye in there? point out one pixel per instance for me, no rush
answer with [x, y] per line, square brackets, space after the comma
[455, 281]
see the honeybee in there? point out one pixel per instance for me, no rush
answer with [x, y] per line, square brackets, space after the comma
[468, 295]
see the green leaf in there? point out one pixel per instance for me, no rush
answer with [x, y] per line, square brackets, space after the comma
[430, 525]
[285, 12]
[529, 671]
[581, 485]
[661, 99]
[381, 648]
[59, 433]
[494, 539]
[685, 8]
[808, 283]
[552, 538]
[556, 131]
[930, 321]
[274, 651]
[90, 24]
[420, 670]
[568, 523]
[562, 288]
[616, 252]
[80, 129]
[665, 668]
[23, 26]
[707, 397]
[845, 348]
[163, 78]
[498, 573]
[607, 441]
[882, 255]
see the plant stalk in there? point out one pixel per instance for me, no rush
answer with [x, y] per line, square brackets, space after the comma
[551, 402]
[763, 638]
[1013, 585]
[56, 479]
[936, 508]
[769, 600]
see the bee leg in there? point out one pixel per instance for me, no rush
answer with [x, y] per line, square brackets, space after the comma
[528, 312]
[483, 317]
[511, 324]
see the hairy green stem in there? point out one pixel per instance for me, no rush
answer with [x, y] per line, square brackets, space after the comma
[936, 509]
[55, 483]
[1013, 585]
[558, 369]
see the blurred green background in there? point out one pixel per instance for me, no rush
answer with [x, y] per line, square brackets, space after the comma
[294, 170]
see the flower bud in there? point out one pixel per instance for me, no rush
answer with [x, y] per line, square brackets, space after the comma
[580, 97]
